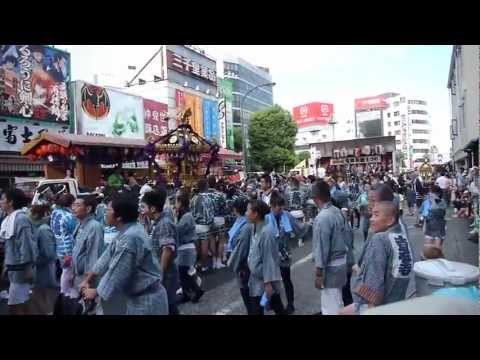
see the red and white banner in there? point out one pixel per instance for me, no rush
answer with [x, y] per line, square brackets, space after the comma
[155, 114]
[315, 113]
[369, 103]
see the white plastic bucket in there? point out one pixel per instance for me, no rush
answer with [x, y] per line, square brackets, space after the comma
[431, 275]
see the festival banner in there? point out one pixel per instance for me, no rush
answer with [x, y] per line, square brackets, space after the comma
[102, 111]
[33, 83]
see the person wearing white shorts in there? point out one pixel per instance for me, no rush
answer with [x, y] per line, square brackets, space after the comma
[20, 251]
[218, 242]
[329, 250]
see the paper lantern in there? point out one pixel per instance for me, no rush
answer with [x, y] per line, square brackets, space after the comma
[38, 152]
[32, 157]
[44, 149]
[51, 148]
[63, 151]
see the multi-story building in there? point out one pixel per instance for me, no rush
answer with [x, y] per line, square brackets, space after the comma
[408, 120]
[393, 114]
[187, 78]
[246, 76]
[464, 84]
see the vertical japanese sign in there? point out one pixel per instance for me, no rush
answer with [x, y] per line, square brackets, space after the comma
[210, 121]
[155, 115]
[227, 86]
[179, 99]
[222, 123]
[223, 132]
[33, 83]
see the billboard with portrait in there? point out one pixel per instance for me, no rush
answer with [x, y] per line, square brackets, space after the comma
[33, 83]
[101, 111]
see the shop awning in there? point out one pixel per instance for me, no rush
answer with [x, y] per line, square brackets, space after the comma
[67, 140]
[14, 163]
[229, 154]
[471, 146]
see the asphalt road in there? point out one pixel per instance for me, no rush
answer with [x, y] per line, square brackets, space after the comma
[224, 298]
[222, 295]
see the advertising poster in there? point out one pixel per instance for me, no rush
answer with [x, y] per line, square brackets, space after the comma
[315, 113]
[106, 112]
[210, 120]
[195, 104]
[33, 83]
[155, 115]
[227, 111]
[14, 135]
[198, 115]
[372, 102]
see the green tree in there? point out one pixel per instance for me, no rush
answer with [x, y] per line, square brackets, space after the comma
[237, 139]
[272, 139]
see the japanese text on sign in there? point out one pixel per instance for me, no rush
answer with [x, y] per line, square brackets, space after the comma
[352, 160]
[187, 66]
[13, 136]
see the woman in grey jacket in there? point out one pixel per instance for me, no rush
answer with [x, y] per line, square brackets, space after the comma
[186, 251]
[239, 245]
[263, 261]
[46, 287]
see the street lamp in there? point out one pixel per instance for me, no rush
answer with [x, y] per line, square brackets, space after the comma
[244, 128]
[333, 123]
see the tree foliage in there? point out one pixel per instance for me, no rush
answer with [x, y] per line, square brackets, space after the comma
[302, 156]
[237, 139]
[272, 138]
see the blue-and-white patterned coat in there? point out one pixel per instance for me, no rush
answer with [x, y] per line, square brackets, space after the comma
[330, 245]
[88, 247]
[128, 268]
[263, 260]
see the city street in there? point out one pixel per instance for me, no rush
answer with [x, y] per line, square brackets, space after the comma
[222, 296]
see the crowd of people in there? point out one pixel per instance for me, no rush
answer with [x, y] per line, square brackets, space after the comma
[149, 246]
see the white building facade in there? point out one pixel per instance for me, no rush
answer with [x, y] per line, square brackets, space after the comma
[408, 119]
[464, 88]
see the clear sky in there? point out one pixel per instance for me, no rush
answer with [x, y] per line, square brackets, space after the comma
[306, 73]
